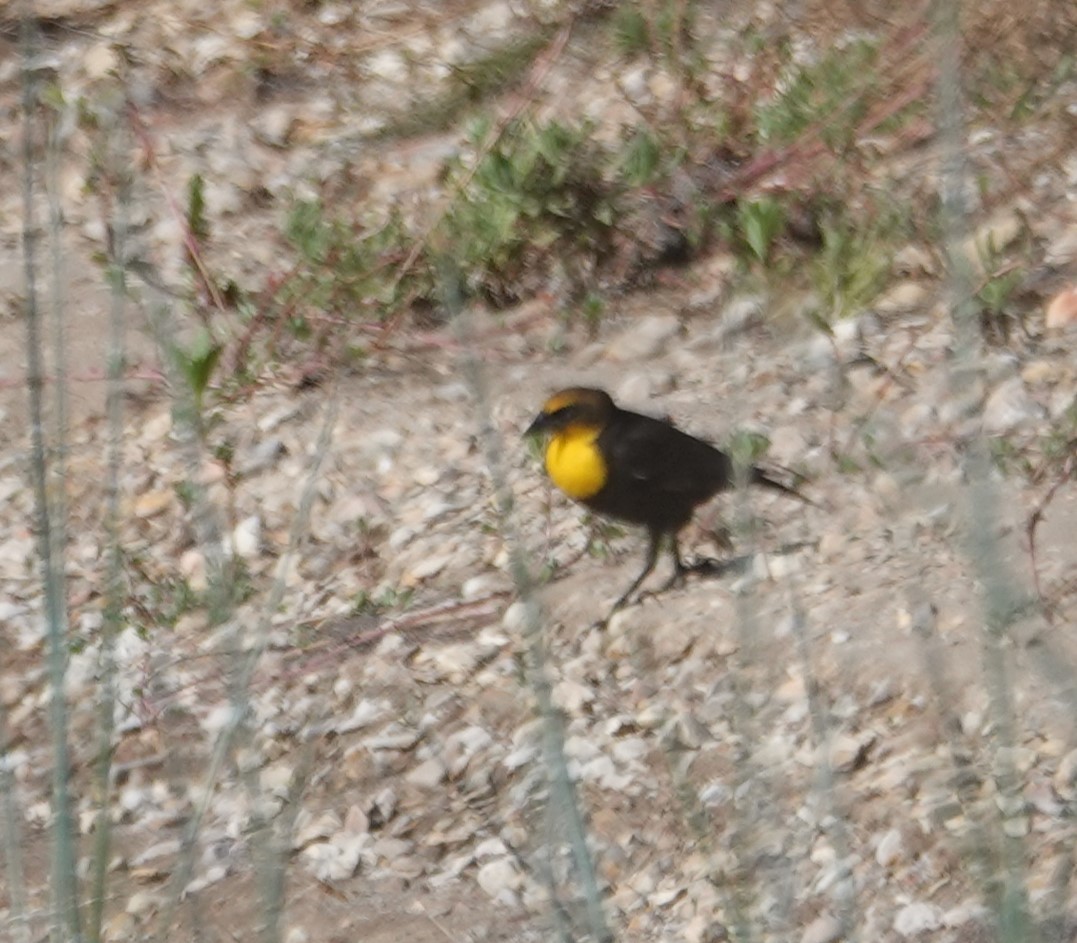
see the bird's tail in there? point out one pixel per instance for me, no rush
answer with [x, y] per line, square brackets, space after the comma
[759, 477]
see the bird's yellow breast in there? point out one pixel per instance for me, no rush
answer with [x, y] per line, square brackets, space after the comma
[574, 462]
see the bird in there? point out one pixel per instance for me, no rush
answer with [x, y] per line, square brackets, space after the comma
[637, 469]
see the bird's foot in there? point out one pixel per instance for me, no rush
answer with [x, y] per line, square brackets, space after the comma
[707, 566]
[614, 609]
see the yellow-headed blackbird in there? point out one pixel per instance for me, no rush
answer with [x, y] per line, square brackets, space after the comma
[635, 468]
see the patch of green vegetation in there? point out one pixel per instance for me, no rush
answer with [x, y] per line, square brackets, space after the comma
[1006, 270]
[853, 263]
[997, 292]
[641, 161]
[759, 224]
[1045, 458]
[831, 94]
[590, 310]
[1060, 443]
[390, 599]
[196, 363]
[664, 31]
[601, 536]
[540, 202]
[1009, 457]
[1019, 89]
[631, 32]
[542, 192]
[746, 447]
[347, 269]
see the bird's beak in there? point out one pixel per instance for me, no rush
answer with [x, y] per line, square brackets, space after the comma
[539, 425]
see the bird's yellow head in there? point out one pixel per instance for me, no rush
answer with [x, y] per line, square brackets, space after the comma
[573, 419]
[578, 406]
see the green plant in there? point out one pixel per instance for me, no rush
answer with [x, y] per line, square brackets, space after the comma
[664, 31]
[641, 161]
[1004, 276]
[541, 192]
[996, 293]
[348, 269]
[601, 535]
[391, 598]
[851, 267]
[631, 34]
[759, 223]
[831, 93]
[746, 447]
[196, 363]
[591, 308]
[1060, 442]
[196, 207]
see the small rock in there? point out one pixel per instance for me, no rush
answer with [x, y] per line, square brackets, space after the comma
[826, 928]
[787, 443]
[914, 919]
[152, 503]
[1061, 310]
[637, 388]
[832, 543]
[262, 457]
[427, 775]
[273, 126]
[1010, 406]
[192, 566]
[384, 807]
[648, 337]
[500, 879]
[462, 746]
[961, 914]
[310, 829]
[1016, 827]
[1040, 372]
[742, 314]
[478, 586]
[996, 235]
[915, 420]
[143, 902]
[1041, 797]
[99, 60]
[390, 849]
[247, 537]
[848, 752]
[120, 928]
[663, 87]
[633, 82]
[1062, 252]
[166, 849]
[208, 878]
[329, 861]
[903, 298]
[430, 566]
[520, 616]
[889, 849]
[366, 712]
[913, 261]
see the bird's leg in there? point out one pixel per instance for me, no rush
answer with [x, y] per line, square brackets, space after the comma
[680, 571]
[652, 558]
